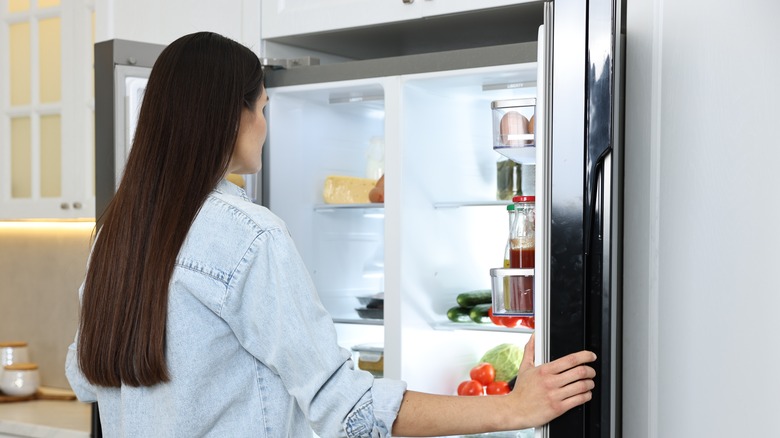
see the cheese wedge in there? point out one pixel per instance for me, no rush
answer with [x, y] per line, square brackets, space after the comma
[347, 189]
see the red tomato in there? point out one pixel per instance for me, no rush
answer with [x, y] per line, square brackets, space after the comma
[483, 373]
[527, 321]
[471, 387]
[510, 321]
[504, 321]
[497, 388]
[496, 320]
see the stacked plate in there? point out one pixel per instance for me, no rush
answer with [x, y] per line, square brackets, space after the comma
[373, 306]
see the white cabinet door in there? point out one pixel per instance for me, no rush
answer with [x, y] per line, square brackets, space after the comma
[46, 158]
[296, 17]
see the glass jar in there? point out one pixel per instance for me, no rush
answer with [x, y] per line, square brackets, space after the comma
[508, 179]
[522, 254]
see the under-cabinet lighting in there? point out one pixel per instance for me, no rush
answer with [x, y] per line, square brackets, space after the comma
[47, 225]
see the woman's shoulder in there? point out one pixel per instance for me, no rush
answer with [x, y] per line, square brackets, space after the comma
[227, 211]
[222, 232]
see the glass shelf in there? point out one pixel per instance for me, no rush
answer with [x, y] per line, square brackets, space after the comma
[448, 325]
[359, 321]
[326, 207]
[458, 204]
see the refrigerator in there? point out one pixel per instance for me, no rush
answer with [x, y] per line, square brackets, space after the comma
[423, 120]
[440, 229]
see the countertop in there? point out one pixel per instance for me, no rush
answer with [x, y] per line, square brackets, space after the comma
[45, 418]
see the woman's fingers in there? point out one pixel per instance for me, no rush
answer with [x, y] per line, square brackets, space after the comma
[575, 400]
[528, 354]
[570, 361]
[573, 387]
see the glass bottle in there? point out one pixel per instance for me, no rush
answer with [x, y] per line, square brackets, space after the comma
[510, 209]
[522, 253]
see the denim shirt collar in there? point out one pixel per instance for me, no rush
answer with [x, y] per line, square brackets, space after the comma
[228, 188]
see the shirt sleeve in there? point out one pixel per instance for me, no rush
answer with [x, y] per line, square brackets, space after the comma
[272, 307]
[78, 383]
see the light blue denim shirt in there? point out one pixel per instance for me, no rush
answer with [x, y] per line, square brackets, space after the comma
[250, 348]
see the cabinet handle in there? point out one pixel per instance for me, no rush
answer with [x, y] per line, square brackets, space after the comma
[65, 206]
[77, 205]
[408, 2]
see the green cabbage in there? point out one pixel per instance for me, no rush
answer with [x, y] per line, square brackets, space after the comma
[506, 359]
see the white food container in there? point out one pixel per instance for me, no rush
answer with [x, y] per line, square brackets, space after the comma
[12, 352]
[20, 379]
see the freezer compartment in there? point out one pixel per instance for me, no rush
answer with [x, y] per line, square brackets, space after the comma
[513, 291]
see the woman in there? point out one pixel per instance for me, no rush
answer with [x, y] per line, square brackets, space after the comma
[198, 317]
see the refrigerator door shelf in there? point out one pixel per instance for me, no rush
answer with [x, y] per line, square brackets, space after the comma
[522, 155]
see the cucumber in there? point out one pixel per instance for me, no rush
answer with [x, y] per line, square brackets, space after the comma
[479, 313]
[459, 314]
[472, 298]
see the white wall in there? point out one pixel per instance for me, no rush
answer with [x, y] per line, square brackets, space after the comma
[702, 219]
[161, 22]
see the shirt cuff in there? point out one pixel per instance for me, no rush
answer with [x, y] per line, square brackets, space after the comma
[374, 417]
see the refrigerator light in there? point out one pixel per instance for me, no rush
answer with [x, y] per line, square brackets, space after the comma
[509, 85]
[346, 98]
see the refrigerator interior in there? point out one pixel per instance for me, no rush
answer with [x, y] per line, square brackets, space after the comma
[452, 229]
[328, 130]
[440, 229]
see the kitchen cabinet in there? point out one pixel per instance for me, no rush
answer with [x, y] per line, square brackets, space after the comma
[46, 152]
[295, 17]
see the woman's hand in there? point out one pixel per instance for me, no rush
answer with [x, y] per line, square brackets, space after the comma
[544, 392]
[540, 394]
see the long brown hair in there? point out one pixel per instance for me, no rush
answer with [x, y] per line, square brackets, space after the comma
[186, 132]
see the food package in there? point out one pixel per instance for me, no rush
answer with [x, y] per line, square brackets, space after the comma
[347, 189]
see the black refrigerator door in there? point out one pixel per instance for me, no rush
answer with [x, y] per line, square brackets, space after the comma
[585, 224]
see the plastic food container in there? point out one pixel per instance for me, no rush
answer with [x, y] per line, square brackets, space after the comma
[504, 281]
[513, 122]
[371, 358]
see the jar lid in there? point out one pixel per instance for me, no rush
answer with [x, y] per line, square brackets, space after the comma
[513, 103]
[13, 344]
[524, 199]
[22, 366]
